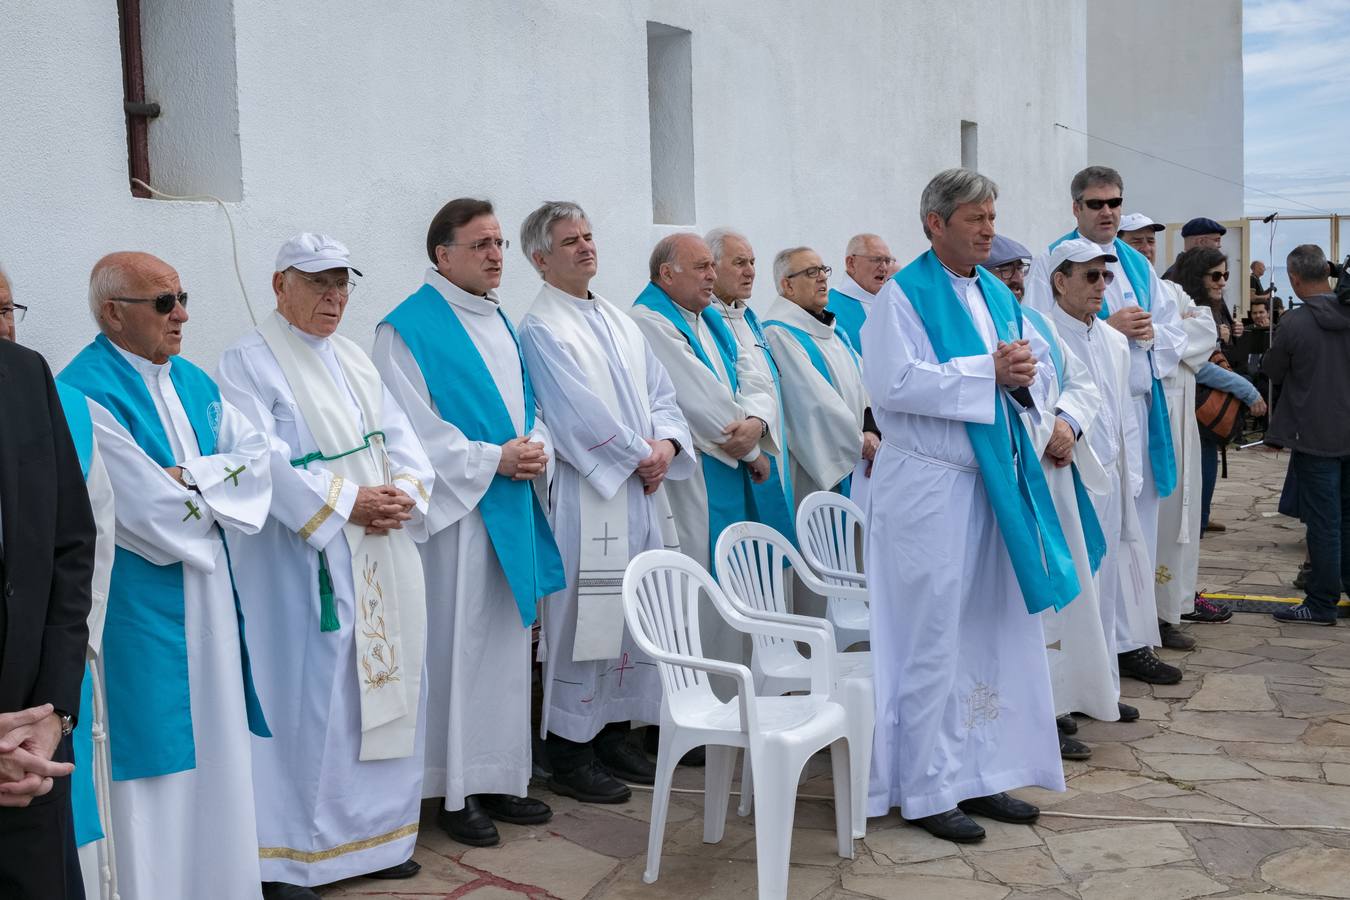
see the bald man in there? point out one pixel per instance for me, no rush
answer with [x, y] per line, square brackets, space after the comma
[867, 265]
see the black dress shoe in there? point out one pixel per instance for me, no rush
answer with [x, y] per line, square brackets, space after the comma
[952, 825]
[626, 761]
[280, 890]
[1001, 808]
[695, 758]
[1072, 748]
[1174, 638]
[515, 810]
[406, 869]
[1128, 713]
[470, 825]
[590, 783]
[1143, 665]
[1067, 725]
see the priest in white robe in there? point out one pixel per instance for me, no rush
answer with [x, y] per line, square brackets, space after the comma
[332, 586]
[959, 562]
[867, 265]
[188, 469]
[1137, 305]
[450, 355]
[618, 434]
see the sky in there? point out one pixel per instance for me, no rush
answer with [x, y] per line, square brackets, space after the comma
[1296, 83]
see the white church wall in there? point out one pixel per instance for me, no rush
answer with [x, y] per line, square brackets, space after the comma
[811, 122]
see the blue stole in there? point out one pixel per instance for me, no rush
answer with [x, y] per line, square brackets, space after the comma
[730, 498]
[1161, 454]
[83, 800]
[1087, 514]
[818, 363]
[144, 644]
[1009, 465]
[849, 315]
[466, 396]
[774, 496]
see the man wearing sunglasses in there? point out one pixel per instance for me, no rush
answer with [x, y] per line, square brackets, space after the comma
[867, 265]
[1138, 306]
[186, 467]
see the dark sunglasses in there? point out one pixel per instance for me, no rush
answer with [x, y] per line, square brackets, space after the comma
[1114, 203]
[1218, 276]
[164, 303]
[1091, 275]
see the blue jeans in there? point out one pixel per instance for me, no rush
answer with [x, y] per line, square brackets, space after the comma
[1324, 503]
[1209, 474]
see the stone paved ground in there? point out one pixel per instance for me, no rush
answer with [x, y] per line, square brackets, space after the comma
[1259, 731]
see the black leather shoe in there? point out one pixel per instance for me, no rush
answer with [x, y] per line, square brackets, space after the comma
[695, 758]
[1001, 808]
[1128, 713]
[1067, 725]
[515, 810]
[590, 783]
[406, 869]
[470, 825]
[280, 890]
[625, 760]
[1072, 748]
[952, 825]
[1143, 665]
[1174, 638]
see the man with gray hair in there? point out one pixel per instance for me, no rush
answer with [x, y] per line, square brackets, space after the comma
[1310, 360]
[618, 435]
[963, 547]
[867, 265]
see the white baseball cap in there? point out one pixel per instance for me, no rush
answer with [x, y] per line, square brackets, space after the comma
[1137, 222]
[1077, 250]
[310, 252]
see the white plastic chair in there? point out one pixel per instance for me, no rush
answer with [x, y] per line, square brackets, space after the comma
[754, 563]
[661, 591]
[830, 530]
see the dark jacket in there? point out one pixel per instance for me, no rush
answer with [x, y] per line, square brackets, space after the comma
[47, 556]
[1310, 360]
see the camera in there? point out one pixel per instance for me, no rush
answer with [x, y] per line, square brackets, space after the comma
[1338, 272]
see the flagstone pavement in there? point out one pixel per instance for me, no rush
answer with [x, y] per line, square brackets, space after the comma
[1257, 732]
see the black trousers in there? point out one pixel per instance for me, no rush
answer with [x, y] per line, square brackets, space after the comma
[37, 846]
[565, 755]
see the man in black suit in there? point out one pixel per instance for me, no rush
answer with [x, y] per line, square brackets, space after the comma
[46, 563]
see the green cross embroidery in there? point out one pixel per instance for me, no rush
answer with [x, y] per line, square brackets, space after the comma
[192, 511]
[233, 474]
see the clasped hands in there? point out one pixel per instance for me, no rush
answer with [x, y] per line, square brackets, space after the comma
[742, 436]
[381, 508]
[1133, 322]
[28, 740]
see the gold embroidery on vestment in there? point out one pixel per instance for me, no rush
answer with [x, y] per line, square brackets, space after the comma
[329, 507]
[313, 856]
[416, 482]
[381, 672]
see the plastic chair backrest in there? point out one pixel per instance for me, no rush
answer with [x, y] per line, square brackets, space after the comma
[753, 563]
[829, 528]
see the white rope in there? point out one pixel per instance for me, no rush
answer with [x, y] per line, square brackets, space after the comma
[234, 243]
[102, 763]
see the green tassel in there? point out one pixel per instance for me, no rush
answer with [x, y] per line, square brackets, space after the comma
[328, 620]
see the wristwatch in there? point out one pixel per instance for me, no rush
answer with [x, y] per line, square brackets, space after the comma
[188, 480]
[67, 723]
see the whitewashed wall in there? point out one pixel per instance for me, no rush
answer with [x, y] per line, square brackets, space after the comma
[811, 121]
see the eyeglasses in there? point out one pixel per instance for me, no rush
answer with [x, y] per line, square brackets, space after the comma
[1216, 277]
[1010, 269]
[1094, 205]
[482, 246]
[13, 312]
[1091, 275]
[164, 303]
[812, 272]
[876, 260]
[343, 286]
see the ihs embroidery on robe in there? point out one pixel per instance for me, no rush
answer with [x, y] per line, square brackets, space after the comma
[379, 658]
[1162, 576]
[981, 705]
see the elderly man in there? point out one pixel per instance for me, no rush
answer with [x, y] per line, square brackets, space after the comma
[1009, 261]
[332, 585]
[1138, 305]
[47, 555]
[619, 435]
[450, 355]
[185, 465]
[963, 547]
[867, 265]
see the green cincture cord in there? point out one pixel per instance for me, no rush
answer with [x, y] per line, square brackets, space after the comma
[328, 620]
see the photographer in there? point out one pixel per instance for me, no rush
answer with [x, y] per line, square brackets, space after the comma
[1310, 360]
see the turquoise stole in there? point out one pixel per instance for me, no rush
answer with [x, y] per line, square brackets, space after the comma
[1087, 513]
[730, 498]
[466, 396]
[144, 644]
[83, 800]
[774, 496]
[1009, 465]
[849, 315]
[818, 363]
[1161, 454]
